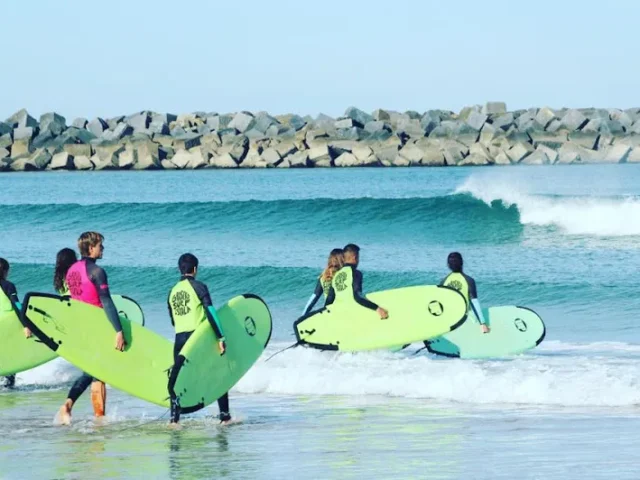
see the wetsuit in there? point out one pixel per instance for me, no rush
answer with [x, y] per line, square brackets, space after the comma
[87, 282]
[322, 288]
[353, 276]
[189, 304]
[9, 302]
[466, 285]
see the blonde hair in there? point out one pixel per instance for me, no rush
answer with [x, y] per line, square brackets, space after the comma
[88, 240]
[334, 263]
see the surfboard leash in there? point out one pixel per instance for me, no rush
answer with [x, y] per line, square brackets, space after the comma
[283, 350]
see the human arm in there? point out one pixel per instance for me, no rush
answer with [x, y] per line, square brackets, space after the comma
[317, 293]
[99, 279]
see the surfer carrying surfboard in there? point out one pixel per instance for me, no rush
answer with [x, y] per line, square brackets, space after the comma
[88, 283]
[189, 305]
[9, 301]
[350, 271]
[466, 285]
[323, 285]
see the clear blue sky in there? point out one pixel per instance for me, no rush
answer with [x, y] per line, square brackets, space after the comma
[109, 58]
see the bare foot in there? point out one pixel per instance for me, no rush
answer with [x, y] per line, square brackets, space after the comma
[64, 414]
[175, 426]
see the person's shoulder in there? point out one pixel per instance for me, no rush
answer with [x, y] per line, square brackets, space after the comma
[198, 285]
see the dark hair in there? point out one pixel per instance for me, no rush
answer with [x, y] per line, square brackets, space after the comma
[351, 248]
[64, 259]
[187, 263]
[455, 262]
[4, 268]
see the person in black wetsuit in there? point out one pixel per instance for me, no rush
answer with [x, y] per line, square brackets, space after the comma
[349, 273]
[323, 285]
[189, 304]
[9, 301]
[87, 282]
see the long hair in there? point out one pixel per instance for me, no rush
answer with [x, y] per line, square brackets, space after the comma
[4, 269]
[64, 259]
[334, 263]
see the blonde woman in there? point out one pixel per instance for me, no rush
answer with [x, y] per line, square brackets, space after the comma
[323, 285]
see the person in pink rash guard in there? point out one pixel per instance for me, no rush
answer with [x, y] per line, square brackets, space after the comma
[88, 283]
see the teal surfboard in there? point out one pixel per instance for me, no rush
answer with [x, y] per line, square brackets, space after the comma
[201, 375]
[513, 330]
[415, 314]
[18, 353]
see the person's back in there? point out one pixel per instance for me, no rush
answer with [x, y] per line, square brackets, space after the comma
[189, 304]
[466, 285]
[347, 282]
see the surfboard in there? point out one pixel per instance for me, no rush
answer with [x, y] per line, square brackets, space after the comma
[201, 375]
[513, 330]
[18, 353]
[415, 313]
[81, 334]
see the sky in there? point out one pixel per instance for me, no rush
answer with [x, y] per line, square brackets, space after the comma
[88, 59]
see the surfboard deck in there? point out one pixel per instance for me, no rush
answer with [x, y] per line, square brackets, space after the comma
[81, 334]
[18, 353]
[201, 375]
[513, 330]
[415, 313]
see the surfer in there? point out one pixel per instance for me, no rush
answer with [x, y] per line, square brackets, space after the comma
[65, 258]
[189, 304]
[350, 270]
[323, 285]
[9, 301]
[87, 282]
[466, 285]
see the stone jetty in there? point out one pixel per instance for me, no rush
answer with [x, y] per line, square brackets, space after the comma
[477, 135]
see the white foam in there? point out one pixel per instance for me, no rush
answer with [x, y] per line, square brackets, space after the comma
[573, 215]
[526, 380]
[55, 372]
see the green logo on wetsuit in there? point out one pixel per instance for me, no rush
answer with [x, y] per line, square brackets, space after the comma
[180, 303]
[456, 284]
[341, 277]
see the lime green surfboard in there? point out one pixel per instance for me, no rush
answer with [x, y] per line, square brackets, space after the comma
[81, 334]
[201, 375]
[415, 314]
[18, 353]
[513, 330]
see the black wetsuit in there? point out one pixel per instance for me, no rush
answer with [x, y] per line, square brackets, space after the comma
[99, 279]
[11, 292]
[317, 293]
[181, 339]
[357, 290]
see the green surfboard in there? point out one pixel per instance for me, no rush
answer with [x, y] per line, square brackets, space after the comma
[513, 330]
[201, 375]
[415, 314]
[18, 353]
[81, 334]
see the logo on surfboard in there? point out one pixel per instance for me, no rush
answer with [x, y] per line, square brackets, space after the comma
[250, 326]
[435, 308]
[520, 324]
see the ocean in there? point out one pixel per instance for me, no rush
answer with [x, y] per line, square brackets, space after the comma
[562, 240]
